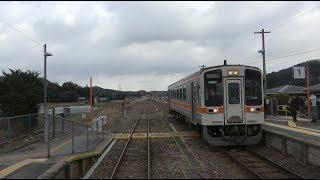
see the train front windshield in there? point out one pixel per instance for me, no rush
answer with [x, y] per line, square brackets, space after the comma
[253, 89]
[213, 88]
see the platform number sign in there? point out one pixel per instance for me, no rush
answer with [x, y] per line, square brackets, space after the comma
[299, 72]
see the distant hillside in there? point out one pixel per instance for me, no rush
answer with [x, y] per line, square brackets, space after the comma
[114, 94]
[285, 76]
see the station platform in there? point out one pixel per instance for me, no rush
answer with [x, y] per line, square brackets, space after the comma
[299, 139]
[301, 123]
[31, 161]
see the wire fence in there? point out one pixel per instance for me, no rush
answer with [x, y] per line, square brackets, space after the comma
[74, 135]
[15, 127]
[68, 133]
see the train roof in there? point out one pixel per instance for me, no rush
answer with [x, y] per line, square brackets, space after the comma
[203, 69]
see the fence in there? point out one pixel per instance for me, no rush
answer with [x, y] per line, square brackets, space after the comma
[66, 133]
[75, 136]
[15, 127]
[284, 110]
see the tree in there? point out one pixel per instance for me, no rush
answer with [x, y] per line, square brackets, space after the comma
[20, 92]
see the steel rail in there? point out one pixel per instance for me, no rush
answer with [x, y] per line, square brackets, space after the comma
[258, 174]
[167, 129]
[277, 164]
[125, 147]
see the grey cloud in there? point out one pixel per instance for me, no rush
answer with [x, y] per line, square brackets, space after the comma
[141, 41]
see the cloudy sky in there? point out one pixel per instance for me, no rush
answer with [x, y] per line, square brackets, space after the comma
[149, 45]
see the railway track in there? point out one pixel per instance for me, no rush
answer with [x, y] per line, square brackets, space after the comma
[194, 164]
[260, 166]
[130, 163]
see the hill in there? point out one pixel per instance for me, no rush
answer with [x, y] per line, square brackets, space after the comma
[285, 76]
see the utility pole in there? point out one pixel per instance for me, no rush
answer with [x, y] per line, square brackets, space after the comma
[46, 124]
[308, 90]
[91, 98]
[263, 52]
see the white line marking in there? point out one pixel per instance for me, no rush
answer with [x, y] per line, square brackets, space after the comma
[172, 127]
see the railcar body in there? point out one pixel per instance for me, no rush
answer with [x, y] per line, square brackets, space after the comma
[226, 101]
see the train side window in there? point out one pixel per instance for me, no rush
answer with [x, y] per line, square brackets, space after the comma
[234, 93]
[176, 92]
[184, 93]
[180, 93]
[194, 93]
[198, 92]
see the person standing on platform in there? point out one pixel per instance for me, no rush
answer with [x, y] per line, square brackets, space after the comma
[313, 100]
[294, 107]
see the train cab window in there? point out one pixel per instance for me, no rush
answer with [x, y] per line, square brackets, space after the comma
[253, 89]
[213, 93]
[234, 93]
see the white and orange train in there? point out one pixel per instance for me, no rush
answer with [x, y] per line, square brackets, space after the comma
[226, 101]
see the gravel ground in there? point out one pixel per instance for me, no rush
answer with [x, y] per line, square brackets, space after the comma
[216, 164]
[104, 170]
[124, 125]
[293, 164]
[134, 163]
[167, 161]
[260, 165]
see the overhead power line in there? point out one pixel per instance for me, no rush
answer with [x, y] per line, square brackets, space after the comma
[22, 33]
[297, 14]
[285, 56]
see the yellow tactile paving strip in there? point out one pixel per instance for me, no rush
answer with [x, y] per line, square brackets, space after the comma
[156, 135]
[5, 172]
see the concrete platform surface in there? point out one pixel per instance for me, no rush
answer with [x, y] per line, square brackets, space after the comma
[301, 123]
[300, 134]
[31, 161]
[295, 140]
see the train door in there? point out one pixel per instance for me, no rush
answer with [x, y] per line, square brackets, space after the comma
[193, 102]
[233, 101]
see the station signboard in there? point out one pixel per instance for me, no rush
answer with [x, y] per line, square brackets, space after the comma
[299, 72]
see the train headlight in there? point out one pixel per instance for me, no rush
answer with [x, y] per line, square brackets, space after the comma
[233, 73]
[252, 109]
[215, 110]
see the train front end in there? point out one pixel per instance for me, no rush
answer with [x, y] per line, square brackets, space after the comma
[233, 97]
